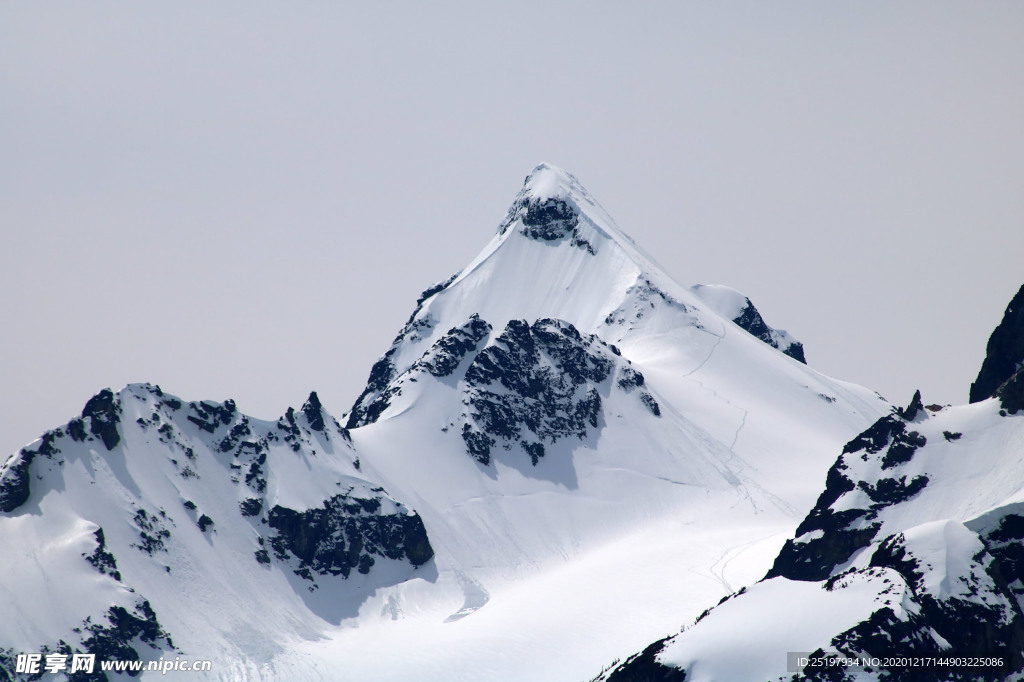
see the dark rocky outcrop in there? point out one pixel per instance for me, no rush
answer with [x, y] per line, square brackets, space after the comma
[537, 384]
[103, 412]
[15, 474]
[531, 386]
[102, 559]
[290, 431]
[119, 639]
[15, 480]
[209, 416]
[644, 667]
[1011, 393]
[314, 412]
[371, 402]
[251, 506]
[750, 320]
[982, 619]
[431, 291]
[153, 533]
[742, 312]
[910, 412]
[440, 360]
[1004, 353]
[828, 537]
[447, 353]
[642, 297]
[346, 534]
[1004, 538]
[546, 219]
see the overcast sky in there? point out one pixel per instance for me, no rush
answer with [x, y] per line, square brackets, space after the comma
[244, 199]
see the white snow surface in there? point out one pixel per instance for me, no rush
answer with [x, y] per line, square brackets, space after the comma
[605, 544]
[725, 301]
[207, 589]
[968, 476]
[730, 304]
[543, 572]
[972, 459]
[748, 637]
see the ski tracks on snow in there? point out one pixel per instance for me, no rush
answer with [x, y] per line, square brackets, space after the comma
[721, 565]
[735, 464]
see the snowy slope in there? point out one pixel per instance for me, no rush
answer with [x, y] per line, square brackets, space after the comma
[564, 455]
[734, 306]
[200, 521]
[642, 506]
[919, 557]
[914, 547]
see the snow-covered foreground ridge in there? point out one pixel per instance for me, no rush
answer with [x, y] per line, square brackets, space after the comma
[563, 456]
[913, 555]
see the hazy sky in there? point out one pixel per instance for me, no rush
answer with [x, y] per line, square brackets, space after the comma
[244, 199]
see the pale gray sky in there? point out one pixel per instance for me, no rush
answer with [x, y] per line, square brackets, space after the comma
[244, 199]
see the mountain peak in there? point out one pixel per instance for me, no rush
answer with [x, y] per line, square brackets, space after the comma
[550, 205]
[557, 255]
[547, 181]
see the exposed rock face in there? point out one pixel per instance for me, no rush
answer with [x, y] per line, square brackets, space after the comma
[120, 639]
[736, 307]
[440, 360]
[1011, 393]
[546, 218]
[644, 667]
[550, 219]
[124, 634]
[209, 416]
[373, 401]
[15, 474]
[102, 411]
[447, 353]
[538, 384]
[750, 320]
[831, 533]
[960, 608]
[1003, 534]
[347, 533]
[531, 386]
[910, 412]
[314, 412]
[641, 298]
[1004, 354]
[101, 559]
[15, 479]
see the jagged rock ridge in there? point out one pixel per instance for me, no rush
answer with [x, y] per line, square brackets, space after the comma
[193, 482]
[540, 383]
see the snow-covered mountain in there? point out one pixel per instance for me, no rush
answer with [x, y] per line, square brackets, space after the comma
[563, 456]
[915, 548]
[152, 527]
